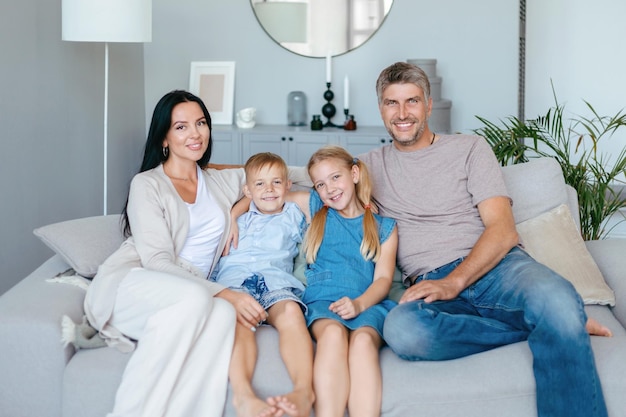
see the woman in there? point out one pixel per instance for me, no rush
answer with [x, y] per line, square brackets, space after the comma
[153, 289]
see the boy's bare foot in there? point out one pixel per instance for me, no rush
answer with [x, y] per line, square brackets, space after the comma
[297, 403]
[595, 328]
[255, 407]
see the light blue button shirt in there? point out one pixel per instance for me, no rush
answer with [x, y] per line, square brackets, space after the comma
[267, 247]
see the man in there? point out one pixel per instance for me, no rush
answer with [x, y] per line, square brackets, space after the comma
[470, 287]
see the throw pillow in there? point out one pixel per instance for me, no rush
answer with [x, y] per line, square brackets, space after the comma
[83, 243]
[535, 187]
[553, 239]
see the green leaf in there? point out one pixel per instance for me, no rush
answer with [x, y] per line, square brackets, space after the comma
[573, 143]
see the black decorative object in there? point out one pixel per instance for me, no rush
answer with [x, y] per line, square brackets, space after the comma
[316, 123]
[329, 109]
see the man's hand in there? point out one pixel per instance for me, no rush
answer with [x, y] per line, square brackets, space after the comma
[432, 290]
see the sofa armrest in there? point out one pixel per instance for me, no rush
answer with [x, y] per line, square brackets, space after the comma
[33, 357]
[609, 255]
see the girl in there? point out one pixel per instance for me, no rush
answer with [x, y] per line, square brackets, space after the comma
[351, 253]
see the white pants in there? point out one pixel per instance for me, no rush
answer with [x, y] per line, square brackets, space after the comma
[185, 338]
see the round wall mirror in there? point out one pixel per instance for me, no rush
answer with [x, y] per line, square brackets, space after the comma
[316, 28]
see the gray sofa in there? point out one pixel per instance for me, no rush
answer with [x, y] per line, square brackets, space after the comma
[39, 377]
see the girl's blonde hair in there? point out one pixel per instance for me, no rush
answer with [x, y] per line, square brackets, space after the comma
[370, 246]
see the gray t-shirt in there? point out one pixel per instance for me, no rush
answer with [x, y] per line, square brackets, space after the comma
[433, 194]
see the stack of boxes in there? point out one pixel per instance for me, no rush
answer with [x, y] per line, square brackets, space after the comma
[439, 121]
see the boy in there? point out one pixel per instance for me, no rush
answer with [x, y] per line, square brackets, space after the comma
[259, 270]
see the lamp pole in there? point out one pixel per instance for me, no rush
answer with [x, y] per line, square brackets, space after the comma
[106, 127]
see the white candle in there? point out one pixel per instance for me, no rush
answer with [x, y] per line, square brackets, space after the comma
[328, 68]
[346, 93]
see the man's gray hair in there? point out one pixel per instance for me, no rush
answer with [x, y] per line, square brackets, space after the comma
[402, 73]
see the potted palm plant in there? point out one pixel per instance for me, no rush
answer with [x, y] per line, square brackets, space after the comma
[597, 178]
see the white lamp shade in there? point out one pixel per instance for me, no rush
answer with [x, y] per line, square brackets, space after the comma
[107, 20]
[283, 21]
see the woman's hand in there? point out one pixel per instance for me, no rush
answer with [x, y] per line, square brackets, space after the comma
[346, 308]
[249, 312]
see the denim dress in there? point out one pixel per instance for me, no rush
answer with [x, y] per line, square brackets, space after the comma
[341, 271]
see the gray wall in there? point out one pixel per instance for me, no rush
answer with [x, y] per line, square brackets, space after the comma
[51, 94]
[476, 49]
[579, 46]
[51, 118]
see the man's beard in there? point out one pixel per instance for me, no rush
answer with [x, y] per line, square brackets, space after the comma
[408, 142]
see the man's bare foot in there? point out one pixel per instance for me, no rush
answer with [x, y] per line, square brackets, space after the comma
[297, 403]
[595, 328]
[255, 407]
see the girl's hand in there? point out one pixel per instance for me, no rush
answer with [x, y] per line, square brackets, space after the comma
[346, 308]
[249, 312]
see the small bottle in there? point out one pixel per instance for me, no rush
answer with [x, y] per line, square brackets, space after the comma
[296, 109]
[316, 123]
[350, 124]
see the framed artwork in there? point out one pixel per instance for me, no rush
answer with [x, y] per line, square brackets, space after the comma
[214, 83]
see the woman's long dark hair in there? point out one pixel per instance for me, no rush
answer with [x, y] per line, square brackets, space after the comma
[160, 124]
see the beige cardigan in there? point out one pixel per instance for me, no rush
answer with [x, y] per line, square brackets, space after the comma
[160, 223]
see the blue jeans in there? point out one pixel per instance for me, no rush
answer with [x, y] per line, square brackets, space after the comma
[519, 299]
[256, 287]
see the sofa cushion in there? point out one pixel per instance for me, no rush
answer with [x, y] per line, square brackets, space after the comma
[91, 380]
[495, 383]
[83, 243]
[553, 239]
[535, 187]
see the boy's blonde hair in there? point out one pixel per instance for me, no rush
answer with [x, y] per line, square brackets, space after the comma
[370, 246]
[263, 159]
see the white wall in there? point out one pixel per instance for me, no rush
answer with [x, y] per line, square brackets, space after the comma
[476, 49]
[579, 46]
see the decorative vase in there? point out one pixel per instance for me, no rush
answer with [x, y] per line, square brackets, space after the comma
[296, 109]
[316, 123]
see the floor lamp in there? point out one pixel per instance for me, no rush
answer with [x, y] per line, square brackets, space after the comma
[106, 21]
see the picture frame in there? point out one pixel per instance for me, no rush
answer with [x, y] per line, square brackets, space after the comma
[214, 83]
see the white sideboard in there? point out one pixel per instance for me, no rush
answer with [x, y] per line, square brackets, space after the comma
[233, 145]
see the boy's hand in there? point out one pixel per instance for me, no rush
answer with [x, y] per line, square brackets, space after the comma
[346, 308]
[233, 238]
[239, 208]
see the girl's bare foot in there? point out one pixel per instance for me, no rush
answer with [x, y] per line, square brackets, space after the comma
[254, 407]
[594, 327]
[297, 403]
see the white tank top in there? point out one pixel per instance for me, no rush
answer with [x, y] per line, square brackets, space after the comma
[206, 227]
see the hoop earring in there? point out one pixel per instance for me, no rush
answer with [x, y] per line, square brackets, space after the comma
[166, 151]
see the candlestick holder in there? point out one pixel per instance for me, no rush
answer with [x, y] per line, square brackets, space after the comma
[329, 109]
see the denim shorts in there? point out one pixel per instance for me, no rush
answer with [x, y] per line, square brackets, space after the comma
[256, 287]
